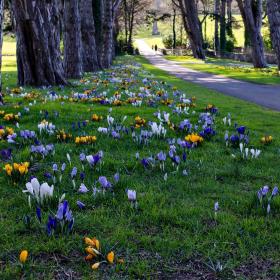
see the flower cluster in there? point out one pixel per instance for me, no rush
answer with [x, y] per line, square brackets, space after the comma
[94, 253]
[85, 139]
[17, 169]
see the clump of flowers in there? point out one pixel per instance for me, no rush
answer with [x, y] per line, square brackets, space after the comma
[211, 108]
[42, 150]
[96, 118]
[15, 169]
[16, 90]
[5, 132]
[265, 197]
[85, 139]
[62, 222]
[95, 254]
[63, 136]
[139, 122]
[11, 117]
[47, 127]
[194, 138]
[41, 193]
[266, 139]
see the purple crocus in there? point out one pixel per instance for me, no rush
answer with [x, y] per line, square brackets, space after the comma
[83, 189]
[161, 156]
[81, 205]
[241, 129]
[275, 191]
[6, 154]
[104, 182]
[116, 177]
[39, 214]
[74, 172]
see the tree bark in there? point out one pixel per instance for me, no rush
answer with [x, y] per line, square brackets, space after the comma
[217, 16]
[73, 62]
[251, 12]
[273, 11]
[223, 27]
[89, 49]
[38, 55]
[1, 42]
[192, 26]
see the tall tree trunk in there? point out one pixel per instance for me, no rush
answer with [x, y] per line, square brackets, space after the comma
[251, 12]
[273, 11]
[73, 62]
[38, 56]
[229, 18]
[1, 42]
[217, 16]
[107, 43]
[98, 15]
[192, 26]
[223, 38]
[89, 50]
[174, 29]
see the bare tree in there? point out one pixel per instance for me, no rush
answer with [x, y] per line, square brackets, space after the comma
[251, 12]
[273, 11]
[38, 55]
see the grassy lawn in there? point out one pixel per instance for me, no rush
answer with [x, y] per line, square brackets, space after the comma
[230, 68]
[174, 231]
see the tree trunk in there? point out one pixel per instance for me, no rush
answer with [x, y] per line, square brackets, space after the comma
[174, 29]
[107, 43]
[273, 11]
[251, 13]
[229, 18]
[38, 56]
[98, 15]
[1, 42]
[217, 15]
[223, 38]
[192, 26]
[89, 51]
[73, 62]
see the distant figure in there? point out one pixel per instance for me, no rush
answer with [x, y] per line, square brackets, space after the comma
[156, 48]
[152, 47]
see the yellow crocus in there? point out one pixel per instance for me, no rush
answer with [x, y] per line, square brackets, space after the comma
[23, 256]
[111, 257]
[8, 168]
[95, 266]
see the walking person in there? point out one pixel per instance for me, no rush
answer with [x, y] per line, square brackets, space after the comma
[156, 48]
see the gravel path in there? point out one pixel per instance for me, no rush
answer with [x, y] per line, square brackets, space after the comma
[264, 95]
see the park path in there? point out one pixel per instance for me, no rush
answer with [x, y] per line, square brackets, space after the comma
[264, 95]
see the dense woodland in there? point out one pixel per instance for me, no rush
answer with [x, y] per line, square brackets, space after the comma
[90, 30]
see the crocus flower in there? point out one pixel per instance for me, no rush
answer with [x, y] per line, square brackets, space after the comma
[131, 195]
[81, 205]
[275, 191]
[241, 129]
[116, 177]
[39, 214]
[265, 190]
[104, 182]
[161, 156]
[216, 206]
[111, 257]
[74, 172]
[83, 189]
[23, 256]
[6, 154]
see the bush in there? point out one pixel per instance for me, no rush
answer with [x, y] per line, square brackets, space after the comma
[168, 42]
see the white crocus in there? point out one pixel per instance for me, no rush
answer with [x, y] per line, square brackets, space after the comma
[39, 192]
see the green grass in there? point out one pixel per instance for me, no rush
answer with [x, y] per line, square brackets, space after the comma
[230, 68]
[173, 233]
